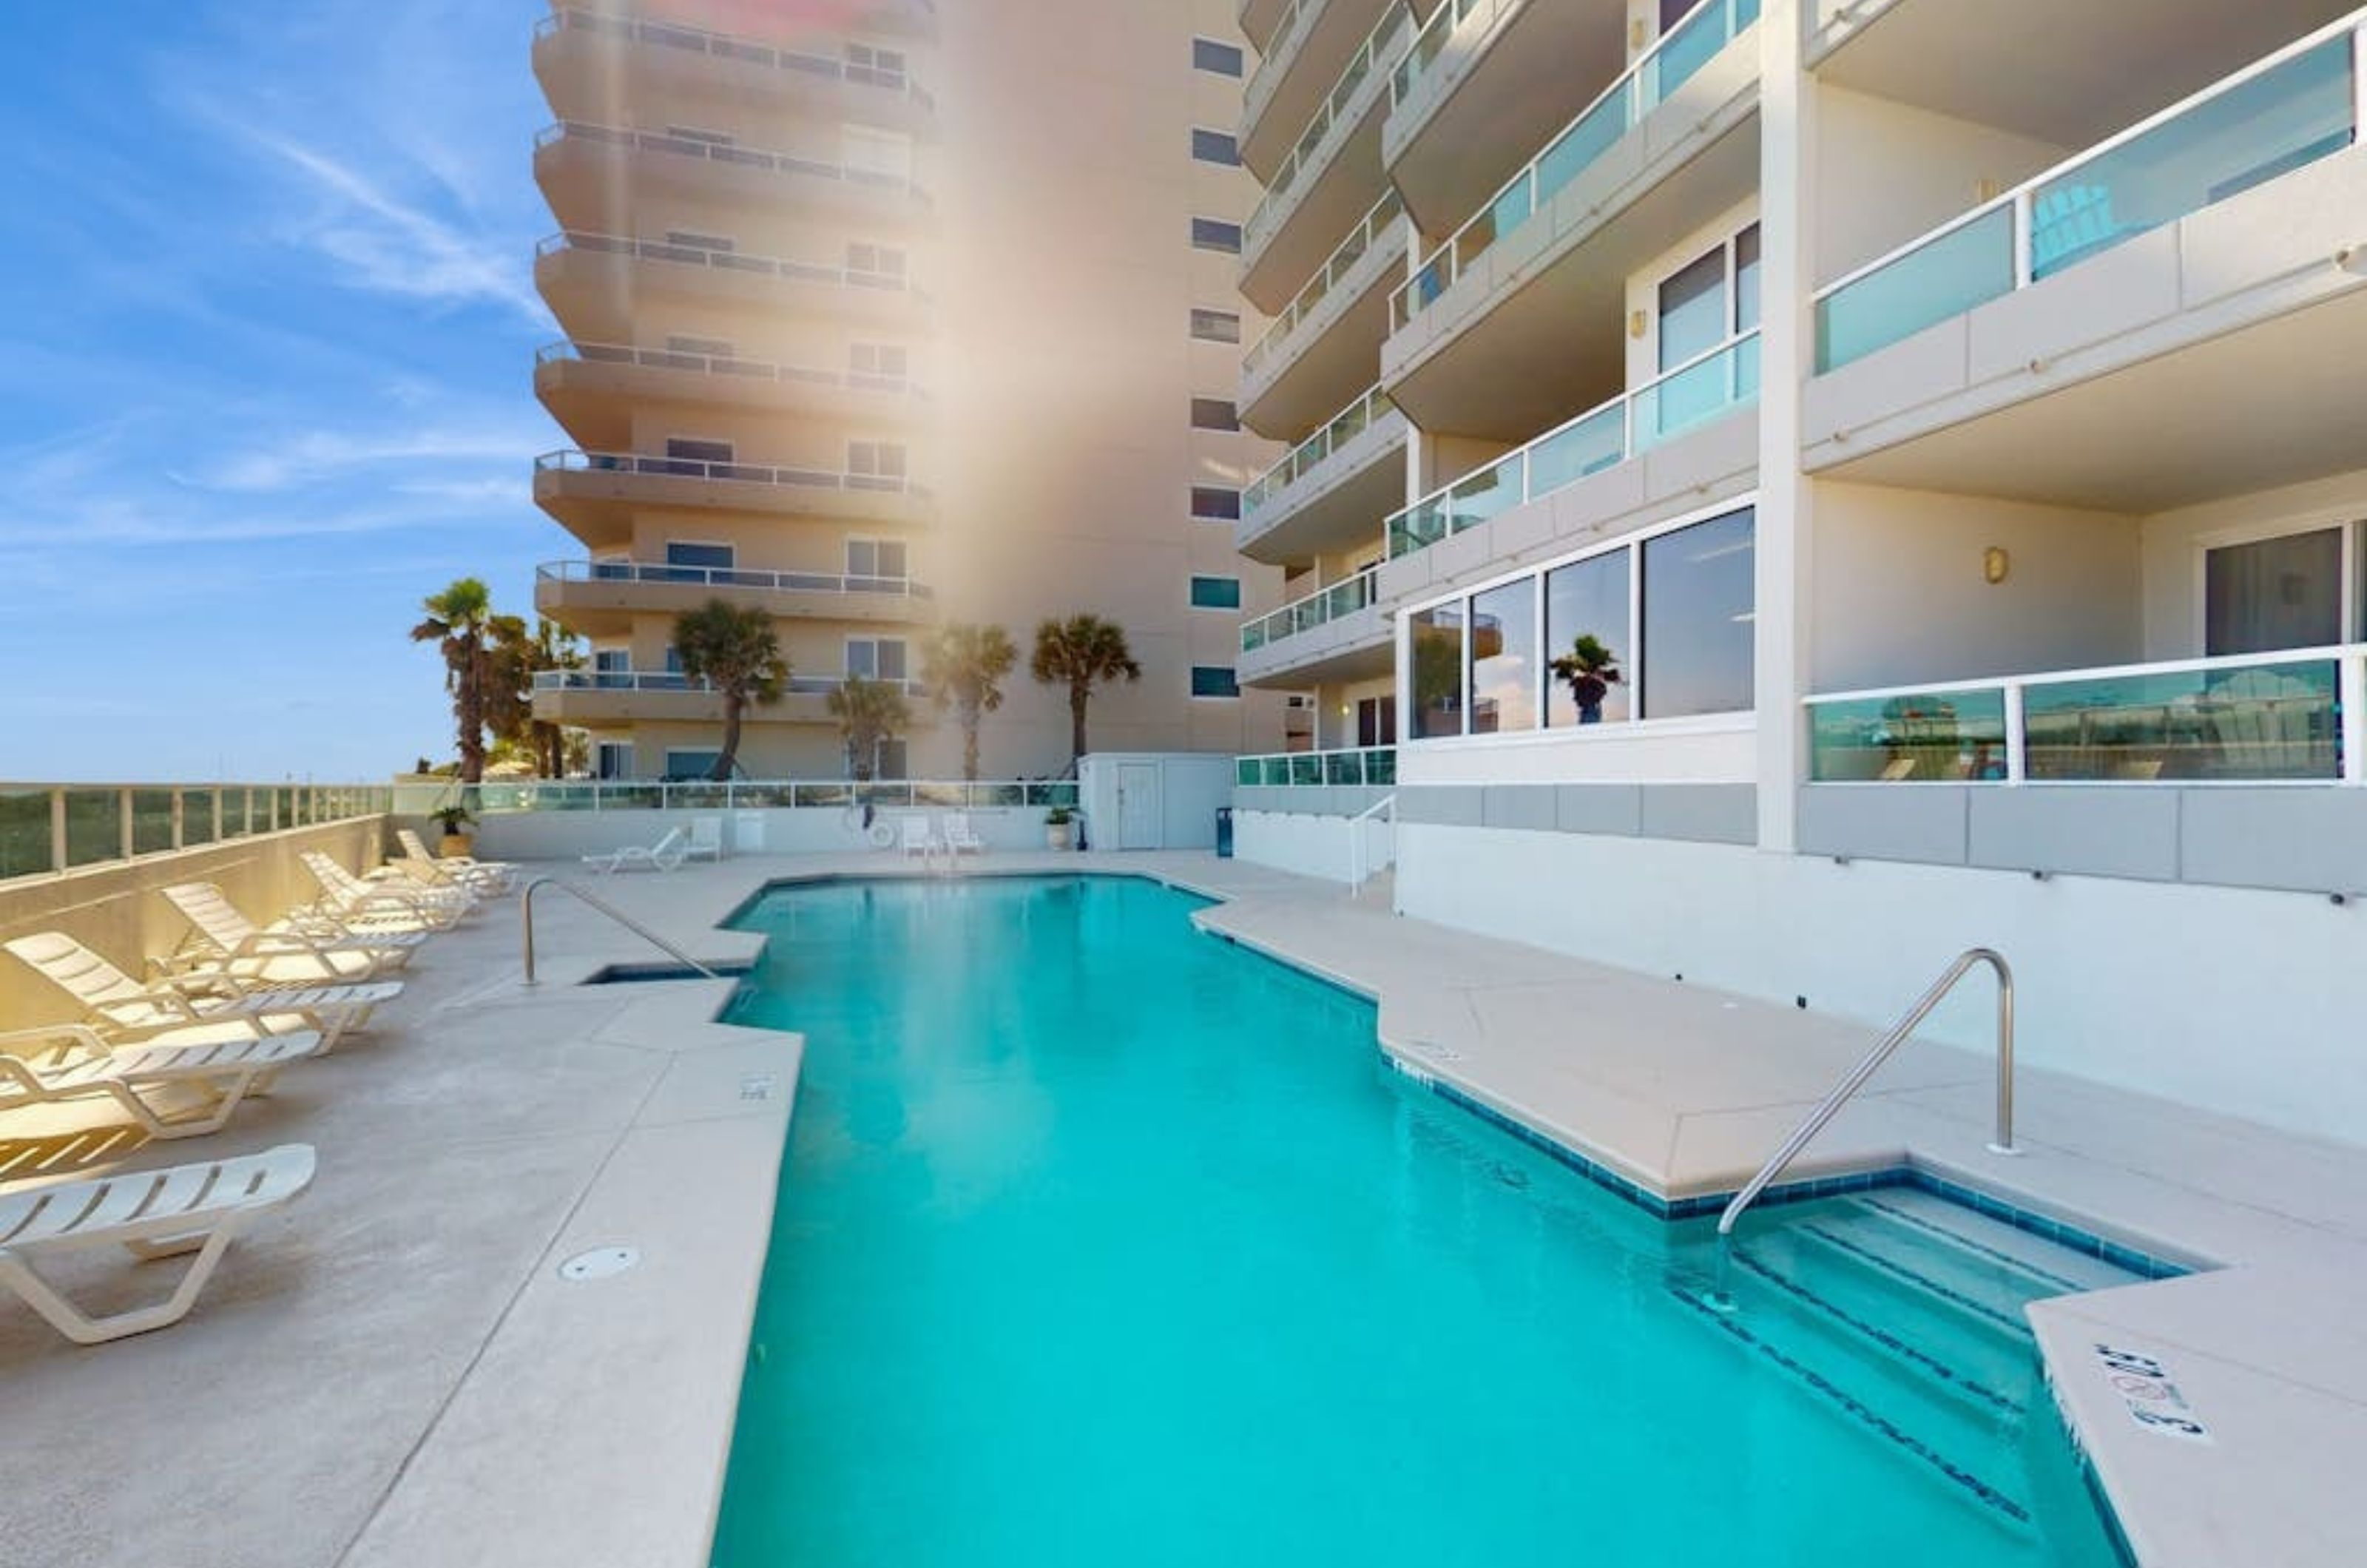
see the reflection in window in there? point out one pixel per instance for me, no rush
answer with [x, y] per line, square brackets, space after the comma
[1437, 657]
[1698, 598]
[1587, 599]
[1504, 658]
[2273, 594]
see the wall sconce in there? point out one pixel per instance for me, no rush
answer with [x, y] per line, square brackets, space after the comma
[1994, 565]
[1345, 710]
[1638, 325]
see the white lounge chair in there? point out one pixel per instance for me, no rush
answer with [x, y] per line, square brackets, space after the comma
[230, 939]
[125, 1011]
[490, 878]
[705, 839]
[68, 1063]
[666, 854]
[347, 898]
[153, 1213]
[961, 838]
[916, 838]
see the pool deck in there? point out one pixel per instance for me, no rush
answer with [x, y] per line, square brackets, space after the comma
[392, 1373]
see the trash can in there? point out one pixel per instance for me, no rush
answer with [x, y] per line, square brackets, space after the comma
[1224, 832]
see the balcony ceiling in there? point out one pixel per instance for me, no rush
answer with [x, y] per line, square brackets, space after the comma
[2068, 74]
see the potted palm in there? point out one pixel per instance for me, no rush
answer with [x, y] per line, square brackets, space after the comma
[454, 820]
[1059, 829]
[1589, 669]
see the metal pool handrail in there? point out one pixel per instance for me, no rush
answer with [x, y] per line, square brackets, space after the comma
[525, 911]
[1897, 1036]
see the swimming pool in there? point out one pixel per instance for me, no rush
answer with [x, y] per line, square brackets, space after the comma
[1103, 1241]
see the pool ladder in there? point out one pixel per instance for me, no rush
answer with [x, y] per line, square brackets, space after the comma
[525, 911]
[1831, 1107]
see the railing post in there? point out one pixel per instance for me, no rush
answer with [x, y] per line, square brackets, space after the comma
[126, 840]
[2017, 735]
[59, 851]
[180, 805]
[219, 791]
[2352, 693]
[2022, 240]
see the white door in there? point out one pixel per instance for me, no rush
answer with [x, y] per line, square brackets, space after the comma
[1138, 806]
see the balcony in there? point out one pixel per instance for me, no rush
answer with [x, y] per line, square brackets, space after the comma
[1351, 768]
[603, 598]
[1331, 175]
[592, 389]
[594, 176]
[2080, 338]
[597, 495]
[1310, 47]
[1324, 342]
[1327, 493]
[597, 698]
[596, 283]
[1335, 634]
[2243, 772]
[1514, 321]
[1485, 84]
[576, 60]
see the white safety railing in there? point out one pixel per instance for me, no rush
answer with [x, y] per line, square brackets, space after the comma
[50, 828]
[715, 259]
[731, 365]
[1377, 53]
[1343, 260]
[1353, 765]
[1301, 459]
[727, 577]
[585, 132]
[727, 46]
[1320, 608]
[643, 465]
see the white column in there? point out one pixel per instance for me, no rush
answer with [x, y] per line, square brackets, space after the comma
[1785, 530]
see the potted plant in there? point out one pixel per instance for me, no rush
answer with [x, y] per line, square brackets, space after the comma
[1059, 827]
[454, 820]
[1589, 669]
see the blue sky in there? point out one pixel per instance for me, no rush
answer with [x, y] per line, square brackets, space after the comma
[265, 366]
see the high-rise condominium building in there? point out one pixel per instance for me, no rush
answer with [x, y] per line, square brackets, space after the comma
[1785, 490]
[884, 314]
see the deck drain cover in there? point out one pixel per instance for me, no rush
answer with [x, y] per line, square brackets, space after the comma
[599, 1263]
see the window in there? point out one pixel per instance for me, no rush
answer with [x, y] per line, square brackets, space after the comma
[1589, 599]
[1215, 59]
[1377, 721]
[878, 364]
[876, 67]
[703, 556]
[876, 659]
[1504, 658]
[1215, 147]
[879, 560]
[1698, 598]
[707, 347]
[1216, 235]
[1216, 593]
[1437, 638]
[2273, 593]
[682, 239]
[1215, 503]
[614, 759]
[1216, 326]
[690, 454]
[1215, 414]
[875, 465]
[890, 761]
[705, 138]
[876, 261]
[1214, 680]
[692, 763]
[612, 667]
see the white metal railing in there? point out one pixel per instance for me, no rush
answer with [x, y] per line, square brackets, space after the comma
[48, 828]
[1353, 765]
[1431, 43]
[675, 681]
[1701, 390]
[727, 46]
[1375, 54]
[504, 797]
[641, 465]
[2278, 114]
[1673, 61]
[1318, 608]
[1362, 864]
[2298, 716]
[716, 260]
[1282, 46]
[727, 577]
[733, 153]
[1341, 429]
[1336, 267]
[731, 365]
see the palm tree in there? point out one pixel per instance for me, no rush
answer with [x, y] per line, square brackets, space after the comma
[736, 652]
[869, 713]
[963, 666]
[509, 714]
[460, 622]
[1589, 669]
[1081, 652]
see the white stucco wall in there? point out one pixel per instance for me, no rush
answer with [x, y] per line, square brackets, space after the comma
[1889, 173]
[1312, 846]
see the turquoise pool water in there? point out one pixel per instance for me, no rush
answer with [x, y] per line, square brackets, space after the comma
[1102, 1242]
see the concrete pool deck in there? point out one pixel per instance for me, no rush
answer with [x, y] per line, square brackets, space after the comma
[393, 1374]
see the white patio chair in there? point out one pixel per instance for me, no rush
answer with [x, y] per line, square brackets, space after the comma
[67, 1063]
[490, 878]
[666, 854]
[705, 839]
[961, 838]
[123, 1011]
[228, 937]
[915, 837]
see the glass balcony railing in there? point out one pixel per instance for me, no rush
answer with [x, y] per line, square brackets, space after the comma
[731, 152]
[636, 464]
[1377, 53]
[1353, 766]
[744, 50]
[51, 827]
[675, 681]
[2291, 109]
[1281, 47]
[495, 798]
[1343, 428]
[727, 577]
[715, 260]
[732, 365]
[2267, 719]
[1351, 250]
[1431, 43]
[1669, 65]
[1694, 394]
[1317, 609]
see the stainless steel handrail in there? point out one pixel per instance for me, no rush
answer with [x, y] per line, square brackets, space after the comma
[1897, 1036]
[525, 907]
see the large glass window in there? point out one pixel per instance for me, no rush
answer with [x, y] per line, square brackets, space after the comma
[1216, 326]
[1216, 59]
[1504, 658]
[1215, 234]
[1215, 503]
[1216, 593]
[1215, 414]
[1694, 309]
[1586, 624]
[1215, 147]
[2273, 593]
[1214, 680]
[879, 560]
[1698, 598]
[1437, 657]
[876, 659]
